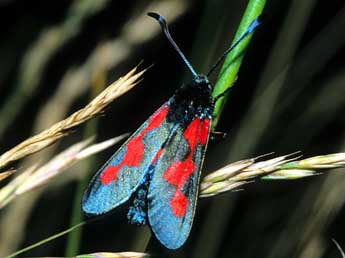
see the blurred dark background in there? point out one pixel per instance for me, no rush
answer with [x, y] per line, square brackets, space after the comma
[290, 96]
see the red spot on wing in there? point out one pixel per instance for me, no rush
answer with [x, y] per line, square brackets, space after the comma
[135, 148]
[179, 172]
[179, 203]
[135, 152]
[110, 174]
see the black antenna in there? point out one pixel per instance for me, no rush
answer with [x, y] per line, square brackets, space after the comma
[166, 32]
[250, 29]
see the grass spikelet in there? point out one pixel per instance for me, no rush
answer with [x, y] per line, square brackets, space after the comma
[7, 193]
[228, 171]
[6, 174]
[318, 162]
[290, 174]
[60, 129]
[35, 177]
[239, 173]
[231, 169]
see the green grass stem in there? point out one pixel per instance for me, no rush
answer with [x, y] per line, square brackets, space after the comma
[233, 61]
[46, 240]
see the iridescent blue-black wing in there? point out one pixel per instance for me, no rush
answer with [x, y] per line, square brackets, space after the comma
[173, 189]
[121, 175]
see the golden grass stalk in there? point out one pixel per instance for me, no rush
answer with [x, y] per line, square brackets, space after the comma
[339, 248]
[60, 129]
[242, 172]
[6, 174]
[114, 255]
[35, 177]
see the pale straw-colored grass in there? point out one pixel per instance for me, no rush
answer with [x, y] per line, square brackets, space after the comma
[62, 128]
[284, 167]
[6, 174]
[114, 255]
[36, 176]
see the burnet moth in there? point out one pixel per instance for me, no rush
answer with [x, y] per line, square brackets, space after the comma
[158, 168]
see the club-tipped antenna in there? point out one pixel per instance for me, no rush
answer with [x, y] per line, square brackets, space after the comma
[166, 32]
[250, 29]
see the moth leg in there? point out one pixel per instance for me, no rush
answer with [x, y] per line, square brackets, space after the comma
[216, 135]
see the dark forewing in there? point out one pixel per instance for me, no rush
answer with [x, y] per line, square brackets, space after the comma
[121, 175]
[173, 188]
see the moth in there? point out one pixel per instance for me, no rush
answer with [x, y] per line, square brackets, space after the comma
[158, 168]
